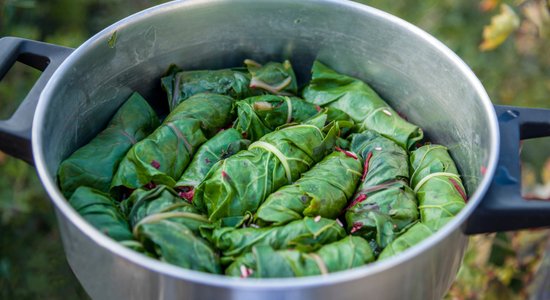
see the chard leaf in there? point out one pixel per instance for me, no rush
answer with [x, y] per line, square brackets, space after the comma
[273, 77]
[223, 145]
[101, 211]
[307, 234]
[384, 204]
[414, 235]
[180, 86]
[437, 184]
[162, 157]
[321, 191]
[95, 164]
[161, 203]
[265, 262]
[213, 111]
[228, 192]
[257, 116]
[361, 103]
[176, 244]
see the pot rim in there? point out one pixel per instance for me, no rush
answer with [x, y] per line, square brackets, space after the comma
[257, 284]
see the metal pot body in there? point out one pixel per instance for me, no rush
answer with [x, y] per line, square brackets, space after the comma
[416, 74]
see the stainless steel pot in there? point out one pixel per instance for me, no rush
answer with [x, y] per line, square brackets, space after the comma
[417, 74]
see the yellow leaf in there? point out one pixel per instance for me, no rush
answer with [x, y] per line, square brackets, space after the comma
[502, 25]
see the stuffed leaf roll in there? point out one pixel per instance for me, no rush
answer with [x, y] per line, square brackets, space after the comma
[95, 164]
[174, 243]
[307, 234]
[384, 204]
[322, 191]
[257, 116]
[361, 102]
[213, 111]
[179, 86]
[379, 216]
[436, 183]
[265, 262]
[223, 145]
[273, 77]
[162, 203]
[162, 157]
[412, 236]
[236, 186]
[101, 211]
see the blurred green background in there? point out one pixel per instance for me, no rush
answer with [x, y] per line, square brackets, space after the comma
[510, 58]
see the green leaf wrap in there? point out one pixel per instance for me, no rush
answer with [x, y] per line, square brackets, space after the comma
[182, 85]
[213, 111]
[176, 244]
[437, 184]
[265, 262]
[414, 235]
[383, 214]
[273, 77]
[260, 115]
[101, 211]
[360, 101]
[223, 145]
[430, 159]
[322, 191]
[236, 186]
[94, 164]
[384, 204]
[306, 234]
[162, 157]
[387, 161]
[162, 203]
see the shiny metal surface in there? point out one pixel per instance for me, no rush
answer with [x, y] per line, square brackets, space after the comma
[415, 73]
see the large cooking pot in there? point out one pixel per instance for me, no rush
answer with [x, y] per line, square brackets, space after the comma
[80, 90]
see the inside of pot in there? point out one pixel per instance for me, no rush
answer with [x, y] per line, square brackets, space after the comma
[404, 66]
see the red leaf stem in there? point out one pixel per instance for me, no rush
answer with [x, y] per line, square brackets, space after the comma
[347, 153]
[459, 189]
[366, 166]
[359, 199]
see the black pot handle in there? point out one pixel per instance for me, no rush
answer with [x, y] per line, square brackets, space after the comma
[15, 132]
[503, 208]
